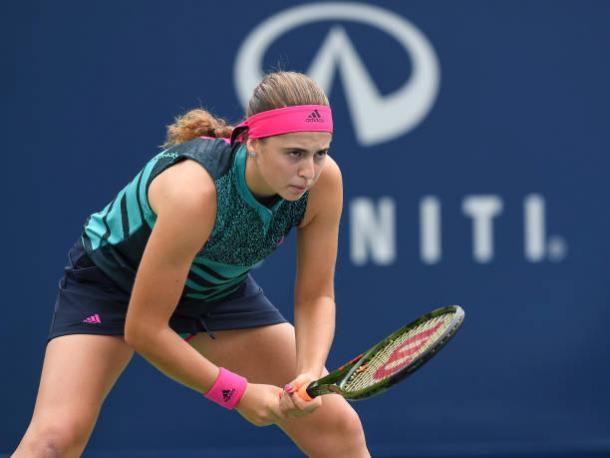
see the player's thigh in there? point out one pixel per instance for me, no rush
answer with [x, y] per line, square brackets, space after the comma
[265, 354]
[78, 372]
[268, 355]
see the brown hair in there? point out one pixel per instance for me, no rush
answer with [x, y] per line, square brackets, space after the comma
[276, 90]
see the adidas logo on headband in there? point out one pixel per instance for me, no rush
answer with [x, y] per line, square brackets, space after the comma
[314, 116]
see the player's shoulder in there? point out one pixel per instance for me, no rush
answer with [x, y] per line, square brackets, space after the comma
[330, 181]
[326, 196]
[214, 154]
[185, 185]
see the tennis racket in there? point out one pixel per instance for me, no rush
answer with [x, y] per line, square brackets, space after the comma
[392, 359]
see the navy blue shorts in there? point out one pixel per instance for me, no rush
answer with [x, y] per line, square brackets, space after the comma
[89, 302]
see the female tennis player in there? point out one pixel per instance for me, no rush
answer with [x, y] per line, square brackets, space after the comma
[164, 270]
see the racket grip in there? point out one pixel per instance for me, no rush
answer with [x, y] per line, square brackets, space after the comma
[303, 393]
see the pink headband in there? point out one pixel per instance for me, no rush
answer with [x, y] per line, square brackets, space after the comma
[298, 118]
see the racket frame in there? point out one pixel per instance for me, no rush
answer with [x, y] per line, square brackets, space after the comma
[336, 380]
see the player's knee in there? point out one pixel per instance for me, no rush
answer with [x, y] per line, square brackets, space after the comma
[342, 438]
[55, 440]
[349, 429]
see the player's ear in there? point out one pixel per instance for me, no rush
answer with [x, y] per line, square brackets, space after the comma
[252, 144]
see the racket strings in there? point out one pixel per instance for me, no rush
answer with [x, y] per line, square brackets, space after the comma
[398, 353]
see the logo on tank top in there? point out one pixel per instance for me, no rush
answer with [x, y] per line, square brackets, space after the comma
[377, 117]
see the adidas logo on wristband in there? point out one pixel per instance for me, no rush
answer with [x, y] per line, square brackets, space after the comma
[228, 394]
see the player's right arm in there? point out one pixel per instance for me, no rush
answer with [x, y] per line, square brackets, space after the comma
[184, 200]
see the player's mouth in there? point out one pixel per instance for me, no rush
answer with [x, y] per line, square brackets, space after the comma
[298, 189]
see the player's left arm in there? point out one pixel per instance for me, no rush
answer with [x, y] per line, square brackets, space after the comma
[317, 241]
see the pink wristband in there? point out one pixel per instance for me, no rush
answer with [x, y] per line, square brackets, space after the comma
[227, 389]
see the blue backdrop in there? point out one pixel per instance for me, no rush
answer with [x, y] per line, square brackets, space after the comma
[473, 138]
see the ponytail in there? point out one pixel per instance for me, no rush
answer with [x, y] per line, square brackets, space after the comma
[196, 123]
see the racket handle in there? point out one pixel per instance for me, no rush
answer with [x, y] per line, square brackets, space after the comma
[303, 393]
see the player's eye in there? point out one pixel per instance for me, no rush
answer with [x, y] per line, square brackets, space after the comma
[321, 155]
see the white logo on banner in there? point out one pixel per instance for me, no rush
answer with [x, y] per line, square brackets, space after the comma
[377, 118]
[373, 229]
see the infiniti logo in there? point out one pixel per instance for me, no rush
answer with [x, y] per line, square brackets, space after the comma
[377, 118]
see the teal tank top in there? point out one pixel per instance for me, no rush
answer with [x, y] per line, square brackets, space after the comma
[245, 231]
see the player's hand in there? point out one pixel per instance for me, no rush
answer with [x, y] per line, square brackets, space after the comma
[260, 404]
[291, 404]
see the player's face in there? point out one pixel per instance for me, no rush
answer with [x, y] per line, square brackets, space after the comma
[288, 164]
